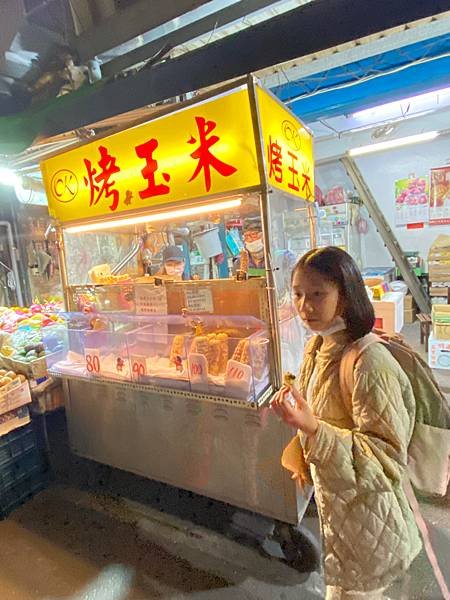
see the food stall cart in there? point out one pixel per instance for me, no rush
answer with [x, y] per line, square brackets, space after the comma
[170, 377]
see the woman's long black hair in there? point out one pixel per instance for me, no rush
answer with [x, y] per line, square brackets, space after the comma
[339, 267]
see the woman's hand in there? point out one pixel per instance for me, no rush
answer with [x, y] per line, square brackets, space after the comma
[301, 416]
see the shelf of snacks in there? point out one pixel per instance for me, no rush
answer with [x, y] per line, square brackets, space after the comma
[21, 348]
[14, 398]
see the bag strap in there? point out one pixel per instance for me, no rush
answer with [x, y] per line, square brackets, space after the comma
[346, 381]
[349, 358]
[420, 522]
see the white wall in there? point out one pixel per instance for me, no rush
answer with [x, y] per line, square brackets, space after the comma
[380, 171]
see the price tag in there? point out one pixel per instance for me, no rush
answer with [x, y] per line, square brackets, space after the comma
[238, 375]
[138, 366]
[199, 300]
[92, 360]
[198, 369]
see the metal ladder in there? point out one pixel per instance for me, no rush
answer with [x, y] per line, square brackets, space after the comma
[388, 236]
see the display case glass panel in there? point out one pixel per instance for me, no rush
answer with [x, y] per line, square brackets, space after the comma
[290, 238]
[224, 356]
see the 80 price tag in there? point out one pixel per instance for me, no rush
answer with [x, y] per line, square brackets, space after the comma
[92, 361]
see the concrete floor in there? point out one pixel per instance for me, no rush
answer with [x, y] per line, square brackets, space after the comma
[101, 534]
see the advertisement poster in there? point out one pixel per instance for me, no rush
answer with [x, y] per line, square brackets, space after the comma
[440, 196]
[411, 201]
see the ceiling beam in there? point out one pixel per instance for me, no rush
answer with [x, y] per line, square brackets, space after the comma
[179, 35]
[128, 23]
[297, 33]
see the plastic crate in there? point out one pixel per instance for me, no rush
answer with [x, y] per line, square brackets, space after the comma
[21, 491]
[16, 470]
[16, 443]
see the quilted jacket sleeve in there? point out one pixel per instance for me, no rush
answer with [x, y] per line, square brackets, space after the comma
[372, 454]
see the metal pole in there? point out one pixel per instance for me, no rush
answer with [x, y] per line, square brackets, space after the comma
[63, 267]
[387, 234]
[312, 219]
[264, 203]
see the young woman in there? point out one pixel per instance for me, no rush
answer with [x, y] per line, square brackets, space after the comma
[354, 450]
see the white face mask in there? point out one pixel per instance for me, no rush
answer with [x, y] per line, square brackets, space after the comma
[174, 270]
[255, 247]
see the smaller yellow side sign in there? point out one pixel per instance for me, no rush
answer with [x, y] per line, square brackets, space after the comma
[288, 148]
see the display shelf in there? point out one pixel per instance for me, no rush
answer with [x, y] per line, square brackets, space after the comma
[163, 391]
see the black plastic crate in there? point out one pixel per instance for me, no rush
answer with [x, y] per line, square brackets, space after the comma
[21, 491]
[16, 443]
[19, 468]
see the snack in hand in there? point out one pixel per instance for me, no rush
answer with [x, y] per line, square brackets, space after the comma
[288, 379]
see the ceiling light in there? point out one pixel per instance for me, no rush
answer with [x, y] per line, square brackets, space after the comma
[8, 177]
[389, 144]
[153, 217]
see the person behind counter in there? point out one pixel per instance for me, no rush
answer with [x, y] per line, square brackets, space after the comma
[354, 452]
[283, 260]
[173, 263]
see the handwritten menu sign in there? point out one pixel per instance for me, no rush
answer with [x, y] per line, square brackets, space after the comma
[199, 300]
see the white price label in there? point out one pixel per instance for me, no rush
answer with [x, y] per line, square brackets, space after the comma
[238, 375]
[138, 366]
[92, 360]
[198, 368]
[199, 300]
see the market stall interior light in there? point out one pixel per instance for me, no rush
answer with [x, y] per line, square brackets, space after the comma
[8, 177]
[173, 215]
[390, 144]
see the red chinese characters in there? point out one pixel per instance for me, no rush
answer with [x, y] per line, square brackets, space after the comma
[306, 187]
[101, 184]
[294, 183]
[275, 161]
[206, 159]
[148, 172]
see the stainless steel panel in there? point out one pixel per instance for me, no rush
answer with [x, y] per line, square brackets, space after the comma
[222, 452]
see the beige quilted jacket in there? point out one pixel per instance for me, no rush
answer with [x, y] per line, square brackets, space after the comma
[357, 460]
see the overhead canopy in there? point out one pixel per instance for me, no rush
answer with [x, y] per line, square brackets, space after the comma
[297, 33]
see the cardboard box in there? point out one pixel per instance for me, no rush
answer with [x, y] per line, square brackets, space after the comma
[409, 302]
[438, 353]
[409, 315]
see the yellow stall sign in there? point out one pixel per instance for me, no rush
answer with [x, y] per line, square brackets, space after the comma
[198, 151]
[288, 148]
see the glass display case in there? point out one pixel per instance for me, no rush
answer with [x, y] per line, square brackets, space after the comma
[217, 355]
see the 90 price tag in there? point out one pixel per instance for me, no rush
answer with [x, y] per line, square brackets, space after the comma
[138, 366]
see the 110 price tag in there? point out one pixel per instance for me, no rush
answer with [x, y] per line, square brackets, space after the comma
[238, 375]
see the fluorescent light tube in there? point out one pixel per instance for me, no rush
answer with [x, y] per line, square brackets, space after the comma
[390, 144]
[153, 217]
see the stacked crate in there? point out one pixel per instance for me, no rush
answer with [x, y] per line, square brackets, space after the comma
[23, 468]
[409, 309]
[439, 269]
